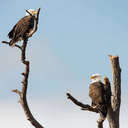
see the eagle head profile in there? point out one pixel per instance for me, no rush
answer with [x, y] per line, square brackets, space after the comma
[31, 11]
[95, 78]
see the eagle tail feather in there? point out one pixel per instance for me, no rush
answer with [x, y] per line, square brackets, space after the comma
[102, 110]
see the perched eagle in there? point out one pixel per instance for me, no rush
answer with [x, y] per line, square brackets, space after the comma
[100, 94]
[23, 28]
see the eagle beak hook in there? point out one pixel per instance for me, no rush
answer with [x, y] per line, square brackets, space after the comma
[92, 77]
[35, 12]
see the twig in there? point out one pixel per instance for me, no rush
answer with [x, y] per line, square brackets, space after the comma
[17, 46]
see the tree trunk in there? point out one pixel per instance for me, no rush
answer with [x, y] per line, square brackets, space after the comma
[114, 109]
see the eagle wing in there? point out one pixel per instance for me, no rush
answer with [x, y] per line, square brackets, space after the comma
[107, 89]
[22, 27]
[96, 93]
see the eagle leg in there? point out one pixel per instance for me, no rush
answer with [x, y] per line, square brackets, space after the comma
[101, 119]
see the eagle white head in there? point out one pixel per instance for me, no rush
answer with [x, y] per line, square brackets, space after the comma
[32, 11]
[95, 78]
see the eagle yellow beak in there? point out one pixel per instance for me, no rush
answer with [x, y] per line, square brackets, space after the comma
[92, 77]
[34, 12]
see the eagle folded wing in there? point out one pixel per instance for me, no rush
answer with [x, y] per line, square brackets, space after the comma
[22, 28]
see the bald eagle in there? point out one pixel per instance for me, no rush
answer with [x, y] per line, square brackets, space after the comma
[23, 28]
[100, 94]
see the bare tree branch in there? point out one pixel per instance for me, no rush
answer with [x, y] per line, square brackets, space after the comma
[17, 46]
[83, 106]
[23, 93]
[86, 107]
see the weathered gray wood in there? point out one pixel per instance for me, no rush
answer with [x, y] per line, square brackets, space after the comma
[23, 92]
[114, 109]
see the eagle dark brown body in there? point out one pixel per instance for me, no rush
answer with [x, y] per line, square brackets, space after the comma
[100, 95]
[22, 29]
[96, 92]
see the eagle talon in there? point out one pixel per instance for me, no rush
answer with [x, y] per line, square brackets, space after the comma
[100, 120]
[94, 107]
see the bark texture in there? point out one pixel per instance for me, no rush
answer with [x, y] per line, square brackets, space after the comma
[114, 107]
[23, 92]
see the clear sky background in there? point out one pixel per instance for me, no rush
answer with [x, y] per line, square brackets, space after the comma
[73, 41]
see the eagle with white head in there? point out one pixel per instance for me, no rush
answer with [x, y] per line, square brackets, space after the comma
[23, 28]
[98, 92]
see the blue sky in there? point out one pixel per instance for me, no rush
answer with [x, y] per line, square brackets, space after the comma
[73, 41]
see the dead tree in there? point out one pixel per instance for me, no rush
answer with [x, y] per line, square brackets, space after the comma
[114, 108]
[23, 92]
